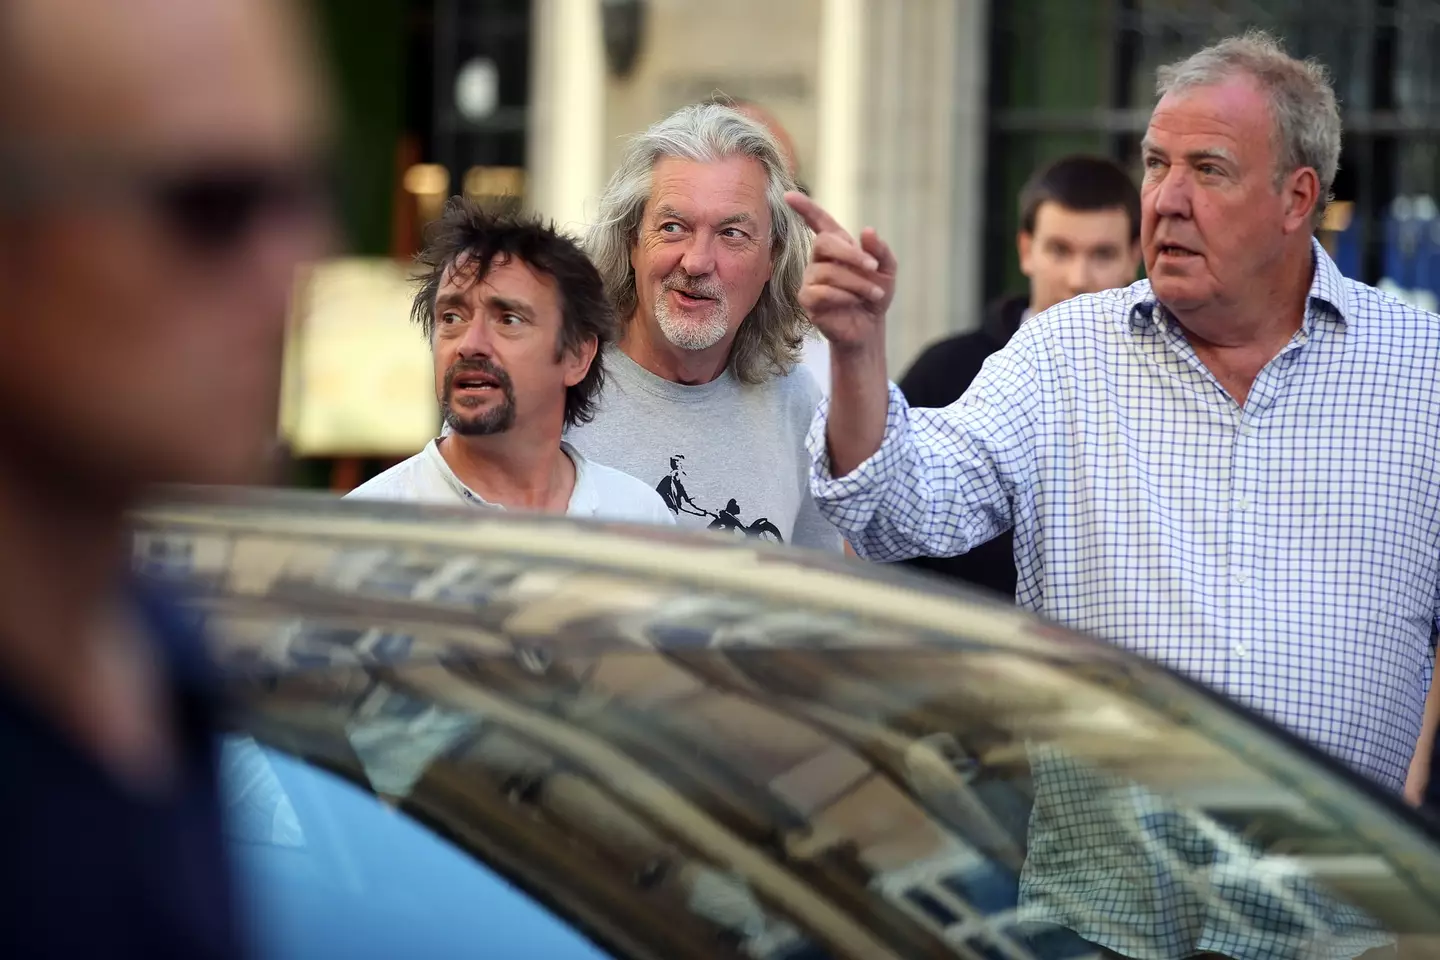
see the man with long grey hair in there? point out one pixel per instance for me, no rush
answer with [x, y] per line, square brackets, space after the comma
[702, 259]
[1227, 467]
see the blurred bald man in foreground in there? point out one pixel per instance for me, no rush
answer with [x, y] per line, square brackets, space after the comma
[159, 185]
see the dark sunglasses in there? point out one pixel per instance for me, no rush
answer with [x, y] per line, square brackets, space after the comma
[210, 207]
[215, 209]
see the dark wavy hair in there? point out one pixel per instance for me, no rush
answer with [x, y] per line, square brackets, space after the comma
[465, 230]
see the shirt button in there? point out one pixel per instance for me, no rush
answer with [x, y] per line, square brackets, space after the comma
[1242, 577]
[1242, 503]
[1240, 649]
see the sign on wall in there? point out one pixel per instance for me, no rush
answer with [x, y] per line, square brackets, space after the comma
[358, 373]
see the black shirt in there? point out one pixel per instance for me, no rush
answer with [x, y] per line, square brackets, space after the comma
[937, 379]
[91, 870]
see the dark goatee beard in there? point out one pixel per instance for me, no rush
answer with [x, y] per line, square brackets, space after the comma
[495, 420]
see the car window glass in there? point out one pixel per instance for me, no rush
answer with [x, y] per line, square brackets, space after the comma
[327, 869]
[829, 810]
[686, 754]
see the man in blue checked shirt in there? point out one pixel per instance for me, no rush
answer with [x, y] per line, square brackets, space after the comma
[1229, 467]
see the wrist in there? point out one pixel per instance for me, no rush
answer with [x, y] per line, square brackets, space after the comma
[859, 356]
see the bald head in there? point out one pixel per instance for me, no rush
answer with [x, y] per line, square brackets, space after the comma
[165, 152]
[755, 113]
[158, 76]
[771, 123]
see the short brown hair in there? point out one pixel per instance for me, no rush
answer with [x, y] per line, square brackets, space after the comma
[1084, 183]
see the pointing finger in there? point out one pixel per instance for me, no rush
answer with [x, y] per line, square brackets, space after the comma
[829, 247]
[813, 214]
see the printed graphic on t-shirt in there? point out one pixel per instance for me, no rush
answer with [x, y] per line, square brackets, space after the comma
[672, 491]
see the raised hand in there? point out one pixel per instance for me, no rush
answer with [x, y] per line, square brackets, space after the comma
[848, 286]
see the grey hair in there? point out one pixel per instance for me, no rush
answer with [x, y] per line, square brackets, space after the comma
[769, 340]
[1302, 102]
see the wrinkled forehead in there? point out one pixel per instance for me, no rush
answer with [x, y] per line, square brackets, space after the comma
[1229, 119]
[231, 78]
[728, 190]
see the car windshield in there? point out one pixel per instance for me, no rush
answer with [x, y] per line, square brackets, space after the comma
[674, 748]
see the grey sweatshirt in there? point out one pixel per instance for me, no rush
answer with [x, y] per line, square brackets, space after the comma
[723, 455]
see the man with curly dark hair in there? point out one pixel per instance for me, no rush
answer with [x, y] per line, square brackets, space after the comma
[515, 314]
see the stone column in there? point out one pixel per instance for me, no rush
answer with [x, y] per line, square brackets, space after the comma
[904, 83]
[840, 94]
[565, 146]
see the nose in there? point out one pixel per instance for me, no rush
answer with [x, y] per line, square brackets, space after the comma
[1171, 195]
[699, 257]
[1080, 276]
[476, 341]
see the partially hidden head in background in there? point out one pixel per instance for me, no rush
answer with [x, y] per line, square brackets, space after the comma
[762, 115]
[699, 252]
[515, 314]
[1079, 230]
[161, 180]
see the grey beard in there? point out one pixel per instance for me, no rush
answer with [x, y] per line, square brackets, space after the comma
[687, 335]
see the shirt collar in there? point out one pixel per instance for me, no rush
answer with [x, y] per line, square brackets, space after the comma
[1329, 288]
[437, 462]
[583, 499]
[1328, 292]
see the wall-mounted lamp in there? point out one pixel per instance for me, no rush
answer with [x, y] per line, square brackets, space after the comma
[477, 88]
[623, 26]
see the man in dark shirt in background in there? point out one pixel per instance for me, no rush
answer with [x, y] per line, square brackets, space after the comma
[1079, 233]
[158, 188]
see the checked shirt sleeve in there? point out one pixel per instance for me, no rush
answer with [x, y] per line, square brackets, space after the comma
[944, 481]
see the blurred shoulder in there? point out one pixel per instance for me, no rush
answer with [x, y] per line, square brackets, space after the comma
[406, 480]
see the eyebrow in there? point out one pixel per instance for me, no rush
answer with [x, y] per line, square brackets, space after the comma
[665, 211]
[499, 303]
[450, 300]
[1209, 153]
[510, 306]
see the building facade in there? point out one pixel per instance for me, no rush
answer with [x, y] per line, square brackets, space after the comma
[922, 118]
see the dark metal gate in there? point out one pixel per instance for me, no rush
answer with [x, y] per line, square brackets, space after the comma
[1067, 76]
